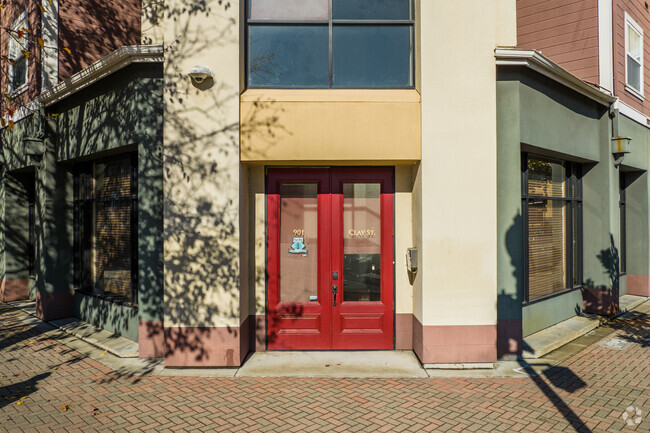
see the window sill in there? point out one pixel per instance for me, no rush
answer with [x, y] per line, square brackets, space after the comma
[634, 92]
[550, 296]
[22, 89]
[111, 299]
[331, 95]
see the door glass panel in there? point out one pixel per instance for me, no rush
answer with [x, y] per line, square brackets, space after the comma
[298, 242]
[361, 241]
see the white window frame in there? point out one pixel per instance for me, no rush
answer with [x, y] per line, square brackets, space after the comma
[630, 23]
[20, 23]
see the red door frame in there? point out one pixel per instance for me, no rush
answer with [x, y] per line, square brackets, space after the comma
[320, 325]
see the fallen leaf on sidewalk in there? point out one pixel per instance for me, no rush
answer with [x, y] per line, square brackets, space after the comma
[104, 354]
[95, 411]
[20, 402]
[66, 407]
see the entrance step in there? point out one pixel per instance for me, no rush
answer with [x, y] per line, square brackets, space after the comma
[547, 340]
[112, 343]
[343, 364]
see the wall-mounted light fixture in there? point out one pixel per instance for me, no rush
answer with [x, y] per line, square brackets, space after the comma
[620, 146]
[201, 77]
[412, 259]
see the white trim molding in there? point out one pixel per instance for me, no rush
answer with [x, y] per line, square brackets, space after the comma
[605, 45]
[631, 113]
[536, 61]
[50, 52]
[118, 59]
[15, 44]
[629, 22]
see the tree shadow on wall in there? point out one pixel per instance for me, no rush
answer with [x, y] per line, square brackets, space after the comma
[509, 304]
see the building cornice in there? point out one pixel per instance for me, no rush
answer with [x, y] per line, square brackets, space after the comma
[104, 67]
[536, 61]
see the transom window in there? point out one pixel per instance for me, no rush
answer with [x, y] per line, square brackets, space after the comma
[19, 63]
[633, 56]
[552, 206]
[330, 43]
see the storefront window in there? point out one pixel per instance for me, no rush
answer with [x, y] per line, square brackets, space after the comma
[552, 207]
[105, 208]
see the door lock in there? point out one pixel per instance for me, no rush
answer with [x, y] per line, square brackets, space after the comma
[335, 289]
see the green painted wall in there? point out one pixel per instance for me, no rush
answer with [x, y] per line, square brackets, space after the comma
[123, 113]
[537, 115]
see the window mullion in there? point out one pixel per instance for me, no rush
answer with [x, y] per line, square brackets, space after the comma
[331, 55]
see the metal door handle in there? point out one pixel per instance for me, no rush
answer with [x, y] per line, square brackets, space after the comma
[335, 289]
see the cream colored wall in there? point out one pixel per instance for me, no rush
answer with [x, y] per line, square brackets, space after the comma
[258, 224]
[403, 238]
[347, 126]
[202, 168]
[456, 182]
[151, 22]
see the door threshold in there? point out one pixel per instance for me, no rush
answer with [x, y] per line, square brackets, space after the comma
[337, 364]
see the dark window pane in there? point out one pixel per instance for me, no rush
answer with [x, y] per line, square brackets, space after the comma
[372, 56]
[290, 10]
[19, 73]
[371, 9]
[288, 56]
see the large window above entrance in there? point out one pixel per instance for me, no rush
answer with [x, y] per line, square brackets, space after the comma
[330, 43]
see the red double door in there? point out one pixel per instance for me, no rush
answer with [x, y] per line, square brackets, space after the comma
[330, 258]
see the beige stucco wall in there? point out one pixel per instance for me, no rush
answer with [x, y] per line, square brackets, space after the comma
[201, 168]
[456, 182]
[346, 126]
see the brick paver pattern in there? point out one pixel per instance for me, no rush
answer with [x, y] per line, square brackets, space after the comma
[46, 386]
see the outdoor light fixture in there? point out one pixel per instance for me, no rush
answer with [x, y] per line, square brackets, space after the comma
[201, 77]
[412, 259]
[34, 146]
[620, 146]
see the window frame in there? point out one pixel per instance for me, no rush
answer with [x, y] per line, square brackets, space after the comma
[22, 22]
[573, 178]
[331, 22]
[630, 23]
[84, 169]
[622, 224]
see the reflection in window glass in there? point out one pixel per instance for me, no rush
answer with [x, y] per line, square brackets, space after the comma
[298, 242]
[288, 56]
[546, 178]
[371, 9]
[289, 10]
[361, 242]
[371, 56]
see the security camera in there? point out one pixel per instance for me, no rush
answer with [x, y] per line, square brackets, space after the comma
[200, 73]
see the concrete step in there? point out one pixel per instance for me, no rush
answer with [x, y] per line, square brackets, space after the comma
[547, 340]
[343, 364]
[112, 343]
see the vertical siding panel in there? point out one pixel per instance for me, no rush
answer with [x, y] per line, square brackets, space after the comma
[566, 31]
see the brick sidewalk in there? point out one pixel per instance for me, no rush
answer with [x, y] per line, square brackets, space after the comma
[40, 376]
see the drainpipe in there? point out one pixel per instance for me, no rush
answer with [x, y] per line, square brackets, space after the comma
[620, 145]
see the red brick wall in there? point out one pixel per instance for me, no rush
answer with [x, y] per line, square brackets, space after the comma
[566, 31]
[637, 11]
[91, 29]
[11, 12]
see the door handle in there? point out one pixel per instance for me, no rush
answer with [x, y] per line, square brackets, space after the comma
[335, 289]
